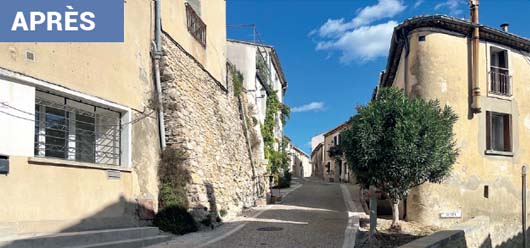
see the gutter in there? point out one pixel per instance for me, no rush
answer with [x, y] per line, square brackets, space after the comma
[157, 55]
[406, 65]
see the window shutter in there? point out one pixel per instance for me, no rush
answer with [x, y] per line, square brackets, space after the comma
[488, 131]
[507, 133]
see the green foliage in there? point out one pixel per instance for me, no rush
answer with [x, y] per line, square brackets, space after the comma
[237, 79]
[278, 158]
[223, 212]
[173, 177]
[173, 215]
[175, 219]
[396, 143]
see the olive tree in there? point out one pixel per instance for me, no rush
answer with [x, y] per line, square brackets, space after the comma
[396, 143]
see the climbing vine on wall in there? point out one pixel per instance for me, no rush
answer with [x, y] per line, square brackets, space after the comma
[275, 149]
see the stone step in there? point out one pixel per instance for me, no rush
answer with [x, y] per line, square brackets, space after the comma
[130, 243]
[71, 239]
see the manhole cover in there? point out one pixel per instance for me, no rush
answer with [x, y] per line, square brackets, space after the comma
[269, 229]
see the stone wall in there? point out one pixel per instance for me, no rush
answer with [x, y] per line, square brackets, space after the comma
[203, 118]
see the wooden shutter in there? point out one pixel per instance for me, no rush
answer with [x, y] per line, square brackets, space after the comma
[507, 133]
[488, 131]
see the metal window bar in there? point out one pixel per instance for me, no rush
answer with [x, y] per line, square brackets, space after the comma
[66, 132]
[196, 26]
[500, 81]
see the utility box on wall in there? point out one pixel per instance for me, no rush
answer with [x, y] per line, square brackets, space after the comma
[4, 165]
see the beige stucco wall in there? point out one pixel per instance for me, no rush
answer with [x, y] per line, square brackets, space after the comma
[213, 14]
[46, 198]
[49, 198]
[439, 69]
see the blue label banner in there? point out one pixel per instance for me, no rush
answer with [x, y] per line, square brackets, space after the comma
[62, 21]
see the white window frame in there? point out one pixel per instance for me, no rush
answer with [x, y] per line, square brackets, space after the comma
[126, 113]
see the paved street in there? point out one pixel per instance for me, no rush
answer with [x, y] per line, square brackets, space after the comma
[312, 216]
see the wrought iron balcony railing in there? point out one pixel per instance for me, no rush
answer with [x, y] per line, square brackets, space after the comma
[500, 81]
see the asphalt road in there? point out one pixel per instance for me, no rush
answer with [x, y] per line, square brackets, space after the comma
[312, 216]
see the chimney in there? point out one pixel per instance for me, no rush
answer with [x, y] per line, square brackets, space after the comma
[505, 26]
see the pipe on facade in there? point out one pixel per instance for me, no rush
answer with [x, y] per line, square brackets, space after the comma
[406, 66]
[157, 55]
[473, 8]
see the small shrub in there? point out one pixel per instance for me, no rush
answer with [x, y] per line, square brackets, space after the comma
[285, 180]
[223, 213]
[175, 219]
[207, 221]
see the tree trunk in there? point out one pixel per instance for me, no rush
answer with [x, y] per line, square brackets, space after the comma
[395, 213]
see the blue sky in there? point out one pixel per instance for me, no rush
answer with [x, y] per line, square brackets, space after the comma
[333, 50]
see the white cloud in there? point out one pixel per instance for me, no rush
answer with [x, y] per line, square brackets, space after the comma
[357, 39]
[383, 9]
[418, 3]
[314, 106]
[452, 5]
[364, 43]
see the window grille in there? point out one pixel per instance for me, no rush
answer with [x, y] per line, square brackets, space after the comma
[196, 26]
[74, 130]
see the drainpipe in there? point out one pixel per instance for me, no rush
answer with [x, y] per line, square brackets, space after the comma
[158, 87]
[406, 67]
[473, 8]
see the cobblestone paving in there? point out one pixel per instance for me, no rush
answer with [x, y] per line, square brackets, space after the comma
[312, 216]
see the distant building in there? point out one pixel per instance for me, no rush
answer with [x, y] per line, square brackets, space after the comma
[316, 140]
[317, 156]
[336, 168]
[300, 162]
[263, 76]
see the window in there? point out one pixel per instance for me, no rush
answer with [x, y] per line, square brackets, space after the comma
[196, 26]
[73, 130]
[500, 79]
[499, 135]
[336, 140]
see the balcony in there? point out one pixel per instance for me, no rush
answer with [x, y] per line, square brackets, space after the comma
[335, 151]
[196, 26]
[263, 72]
[500, 81]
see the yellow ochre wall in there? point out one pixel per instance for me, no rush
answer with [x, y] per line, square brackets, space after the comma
[49, 198]
[213, 14]
[439, 68]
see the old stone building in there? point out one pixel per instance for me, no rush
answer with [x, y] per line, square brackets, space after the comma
[262, 77]
[334, 164]
[317, 155]
[483, 74]
[203, 115]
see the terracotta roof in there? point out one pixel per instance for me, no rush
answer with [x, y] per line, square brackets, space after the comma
[450, 24]
[343, 125]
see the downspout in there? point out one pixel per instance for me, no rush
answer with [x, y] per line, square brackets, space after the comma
[473, 7]
[406, 66]
[157, 55]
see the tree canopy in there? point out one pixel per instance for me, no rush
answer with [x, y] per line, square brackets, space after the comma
[396, 143]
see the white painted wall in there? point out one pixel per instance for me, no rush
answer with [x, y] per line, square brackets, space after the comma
[17, 118]
[315, 140]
